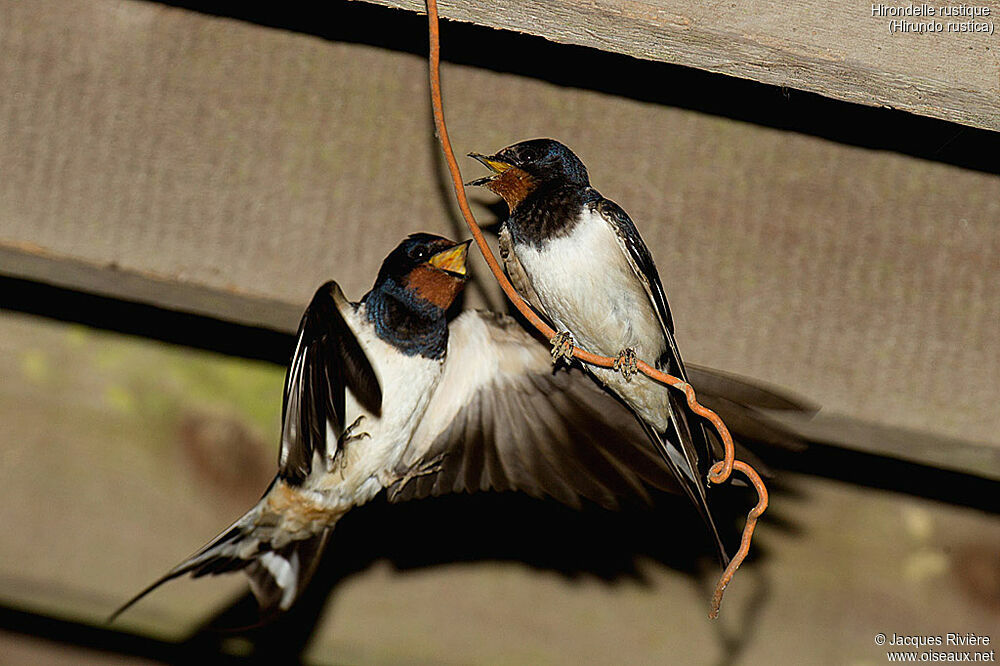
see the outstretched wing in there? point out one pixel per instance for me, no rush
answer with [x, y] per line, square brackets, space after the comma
[501, 418]
[749, 410]
[328, 359]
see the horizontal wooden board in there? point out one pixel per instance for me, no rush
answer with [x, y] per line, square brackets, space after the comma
[209, 153]
[121, 457]
[842, 49]
[826, 427]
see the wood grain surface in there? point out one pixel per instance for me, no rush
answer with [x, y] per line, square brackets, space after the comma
[845, 50]
[212, 154]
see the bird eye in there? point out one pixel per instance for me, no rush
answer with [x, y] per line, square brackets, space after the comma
[420, 254]
[529, 155]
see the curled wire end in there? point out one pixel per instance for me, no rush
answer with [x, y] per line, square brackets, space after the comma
[748, 529]
[720, 471]
[720, 589]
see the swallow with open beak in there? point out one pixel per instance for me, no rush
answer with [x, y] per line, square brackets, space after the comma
[390, 394]
[579, 260]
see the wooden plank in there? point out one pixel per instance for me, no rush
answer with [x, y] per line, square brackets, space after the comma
[104, 494]
[844, 50]
[210, 152]
[947, 453]
[172, 293]
[843, 431]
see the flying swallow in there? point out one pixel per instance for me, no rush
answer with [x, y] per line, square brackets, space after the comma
[391, 394]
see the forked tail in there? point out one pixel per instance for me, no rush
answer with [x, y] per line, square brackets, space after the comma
[278, 567]
[690, 481]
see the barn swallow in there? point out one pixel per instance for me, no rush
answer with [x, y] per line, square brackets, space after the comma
[391, 395]
[579, 260]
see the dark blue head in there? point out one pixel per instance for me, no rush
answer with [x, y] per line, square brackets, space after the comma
[524, 167]
[426, 269]
[546, 160]
[416, 285]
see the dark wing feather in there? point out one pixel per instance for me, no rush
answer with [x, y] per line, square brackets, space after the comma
[515, 271]
[642, 261]
[747, 392]
[689, 432]
[748, 408]
[502, 419]
[327, 359]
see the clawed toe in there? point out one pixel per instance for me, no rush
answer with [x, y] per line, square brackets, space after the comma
[562, 346]
[627, 363]
[424, 468]
[349, 435]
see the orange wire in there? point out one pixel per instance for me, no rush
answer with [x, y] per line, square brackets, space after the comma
[722, 469]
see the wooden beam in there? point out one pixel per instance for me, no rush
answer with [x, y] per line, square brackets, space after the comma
[231, 305]
[932, 450]
[207, 153]
[34, 263]
[844, 50]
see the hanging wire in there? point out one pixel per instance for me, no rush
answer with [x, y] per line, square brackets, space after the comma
[721, 470]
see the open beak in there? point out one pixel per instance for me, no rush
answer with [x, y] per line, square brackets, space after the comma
[493, 164]
[453, 259]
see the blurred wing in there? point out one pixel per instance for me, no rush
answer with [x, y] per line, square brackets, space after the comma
[747, 392]
[501, 418]
[327, 360]
[750, 409]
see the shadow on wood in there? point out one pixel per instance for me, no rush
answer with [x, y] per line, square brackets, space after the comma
[494, 527]
[624, 76]
[478, 528]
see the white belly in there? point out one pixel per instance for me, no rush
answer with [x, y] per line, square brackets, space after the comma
[362, 468]
[587, 287]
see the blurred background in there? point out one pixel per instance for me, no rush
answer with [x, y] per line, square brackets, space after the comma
[177, 178]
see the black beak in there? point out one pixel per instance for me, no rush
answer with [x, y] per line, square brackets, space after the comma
[479, 182]
[495, 165]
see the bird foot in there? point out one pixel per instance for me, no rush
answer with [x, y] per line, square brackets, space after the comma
[432, 466]
[627, 363]
[562, 346]
[347, 437]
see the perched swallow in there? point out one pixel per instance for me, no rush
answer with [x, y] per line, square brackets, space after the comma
[389, 395]
[579, 260]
